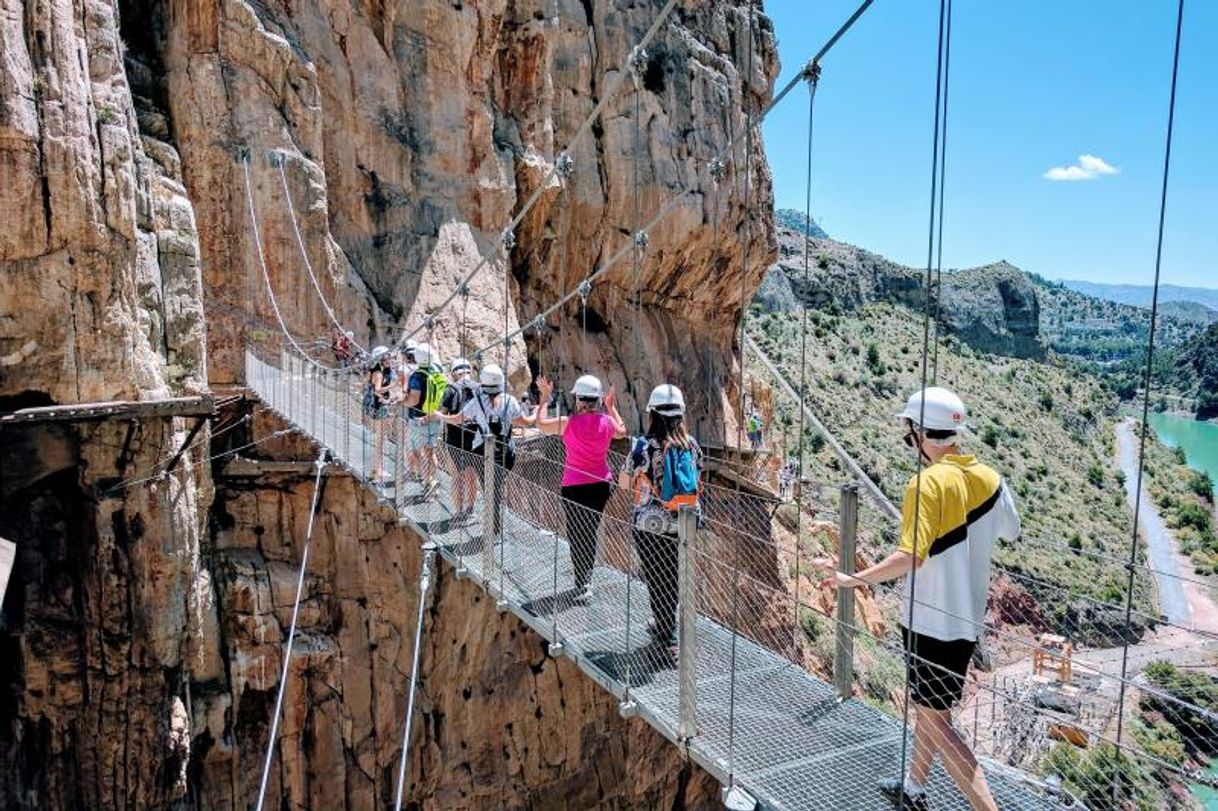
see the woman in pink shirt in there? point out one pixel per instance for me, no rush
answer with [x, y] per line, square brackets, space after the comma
[586, 475]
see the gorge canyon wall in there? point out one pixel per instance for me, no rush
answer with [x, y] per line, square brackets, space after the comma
[143, 624]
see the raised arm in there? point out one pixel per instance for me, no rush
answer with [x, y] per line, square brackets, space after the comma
[553, 426]
[619, 425]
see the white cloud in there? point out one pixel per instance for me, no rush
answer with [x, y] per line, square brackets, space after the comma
[1089, 167]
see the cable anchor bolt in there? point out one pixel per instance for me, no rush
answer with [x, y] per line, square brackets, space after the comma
[508, 238]
[564, 165]
[640, 240]
[715, 169]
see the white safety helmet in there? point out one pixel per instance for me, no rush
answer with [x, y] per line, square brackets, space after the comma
[461, 365]
[588, 387]
[942, 411]
[422, 354]
[377, 354]
[491, 378]
[666, 399]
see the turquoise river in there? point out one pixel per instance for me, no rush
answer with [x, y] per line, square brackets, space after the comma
[1200, 443]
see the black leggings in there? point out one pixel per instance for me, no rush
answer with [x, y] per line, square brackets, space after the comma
[584, 504]
[658, 555]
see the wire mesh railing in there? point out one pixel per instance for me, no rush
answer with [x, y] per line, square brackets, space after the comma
[722, 637]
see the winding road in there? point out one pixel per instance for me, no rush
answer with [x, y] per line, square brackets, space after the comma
[1160, 545]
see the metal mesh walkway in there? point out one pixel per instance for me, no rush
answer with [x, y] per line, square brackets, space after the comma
[763, 722]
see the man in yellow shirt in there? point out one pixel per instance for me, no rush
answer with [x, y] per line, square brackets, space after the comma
[955, 510]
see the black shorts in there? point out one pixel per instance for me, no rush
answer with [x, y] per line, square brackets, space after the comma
[936, 669]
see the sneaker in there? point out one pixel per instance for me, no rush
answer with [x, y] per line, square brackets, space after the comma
[429, 489]
[894, 789]
[583, 596]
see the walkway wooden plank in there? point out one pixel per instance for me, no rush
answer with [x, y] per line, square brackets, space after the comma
[202, 406]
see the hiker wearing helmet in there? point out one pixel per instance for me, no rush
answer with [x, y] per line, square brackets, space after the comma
[663, 472]
[378, 394]
[586, 475]
[955, 510]
[459, 438]
[424, 391]
[494, 412]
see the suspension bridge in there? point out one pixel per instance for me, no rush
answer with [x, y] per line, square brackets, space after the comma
[741, 695]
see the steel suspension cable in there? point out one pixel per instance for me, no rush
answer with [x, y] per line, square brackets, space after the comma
[685, 191]
[425, 575]
[1150, 352]
[745, 166]
[947, 62]
[813, 81]
[304, 254]
[926, 317]
[287, 648]
[283, 327]
[584, 127]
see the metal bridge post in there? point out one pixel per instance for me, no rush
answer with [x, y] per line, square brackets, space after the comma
[556, 646]
[488, 510]
[399, 460]
[346, 420]
[687, 625]
[843, 660]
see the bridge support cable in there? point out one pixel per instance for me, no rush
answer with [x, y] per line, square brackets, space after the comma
[947, 63]
[1149, 370]
[584, 127]
[907, 621]
[279, 160]
[287, 647]
[425, 574]
[745, 167]
[266, 277]
[719, 158]
[813, 79]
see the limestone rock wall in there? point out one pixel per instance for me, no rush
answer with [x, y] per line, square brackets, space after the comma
[99, 299]
[499, 723]
[410, 133]
[142, 628]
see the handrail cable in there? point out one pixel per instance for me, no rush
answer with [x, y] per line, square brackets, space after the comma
[287, 648]
[584, 127]
[1150, 354]
[279, 160]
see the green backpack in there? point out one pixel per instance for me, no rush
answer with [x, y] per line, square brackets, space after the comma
[437, 382]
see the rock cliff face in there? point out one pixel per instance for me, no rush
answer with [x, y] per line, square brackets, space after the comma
[386, 144]
[993, 308]
[410, 135]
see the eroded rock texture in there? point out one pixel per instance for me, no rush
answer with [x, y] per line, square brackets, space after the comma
[142, 629]
[409, 135]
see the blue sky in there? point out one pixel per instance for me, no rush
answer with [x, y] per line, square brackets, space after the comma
[1034, 86]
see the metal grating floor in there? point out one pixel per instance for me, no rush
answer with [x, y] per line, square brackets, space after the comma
[781, 733]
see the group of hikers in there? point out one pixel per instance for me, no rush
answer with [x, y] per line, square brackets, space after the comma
[954, 512]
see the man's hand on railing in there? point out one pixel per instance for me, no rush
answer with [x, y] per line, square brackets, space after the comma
[835, 579]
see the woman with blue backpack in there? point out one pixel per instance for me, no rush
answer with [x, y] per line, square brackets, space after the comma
[663, 472]
[586, 475]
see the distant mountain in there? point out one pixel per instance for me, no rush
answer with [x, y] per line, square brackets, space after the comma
[1193, 311]
[1139, 295]
[795, 220]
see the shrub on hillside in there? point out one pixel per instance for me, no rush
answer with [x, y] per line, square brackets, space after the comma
[1202, 485]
